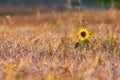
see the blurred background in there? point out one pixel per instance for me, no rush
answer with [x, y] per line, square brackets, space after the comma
[18, 6]
[62, 3]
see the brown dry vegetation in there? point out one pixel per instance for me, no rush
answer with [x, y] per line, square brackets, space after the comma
[41, 46]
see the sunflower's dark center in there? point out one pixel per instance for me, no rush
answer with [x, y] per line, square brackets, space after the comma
[83, 34]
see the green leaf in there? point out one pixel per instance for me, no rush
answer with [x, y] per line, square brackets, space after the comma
[77, 45]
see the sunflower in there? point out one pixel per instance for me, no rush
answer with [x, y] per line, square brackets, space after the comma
[83, 34]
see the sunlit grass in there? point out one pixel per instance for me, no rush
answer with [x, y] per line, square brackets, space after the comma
[44, 50]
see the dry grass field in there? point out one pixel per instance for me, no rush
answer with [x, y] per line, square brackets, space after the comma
[42, 46]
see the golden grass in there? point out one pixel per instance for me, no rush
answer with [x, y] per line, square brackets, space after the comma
[41, 46]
